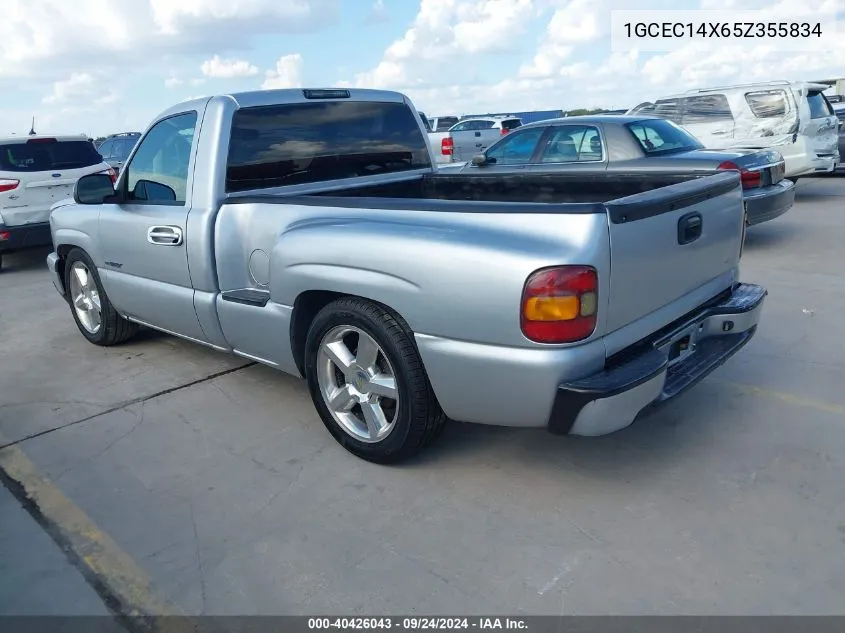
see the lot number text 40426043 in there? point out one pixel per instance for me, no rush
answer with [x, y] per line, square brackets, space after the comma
[417, 623]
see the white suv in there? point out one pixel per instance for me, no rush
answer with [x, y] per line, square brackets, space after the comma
[794, 118]
[35, 173]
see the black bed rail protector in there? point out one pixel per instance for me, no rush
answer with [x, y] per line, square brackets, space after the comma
[673, 197]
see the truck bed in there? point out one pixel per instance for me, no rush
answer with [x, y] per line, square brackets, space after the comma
[557, 193]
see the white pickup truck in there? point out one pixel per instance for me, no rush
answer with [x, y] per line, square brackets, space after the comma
[308, 230]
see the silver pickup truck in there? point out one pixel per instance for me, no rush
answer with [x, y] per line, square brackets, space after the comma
[308, 230]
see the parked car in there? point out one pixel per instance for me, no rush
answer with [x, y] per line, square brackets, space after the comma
[599, 144]
[35, 172]
[839, 109]
[117, 147]
[471, 136]
[439, 129]
[794, 118]
[309, 231]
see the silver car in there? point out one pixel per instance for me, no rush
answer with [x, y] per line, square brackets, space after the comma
[471, 136]
[646, 145]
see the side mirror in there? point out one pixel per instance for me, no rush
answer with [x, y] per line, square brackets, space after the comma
[153, 192]
[480, 160]
[93, 189]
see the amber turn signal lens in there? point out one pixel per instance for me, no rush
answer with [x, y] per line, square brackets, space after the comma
[552, 308]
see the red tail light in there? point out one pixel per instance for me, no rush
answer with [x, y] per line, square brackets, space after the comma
[111, 173]
[8, 185]
[749, 179]
[560, 304]
[446, 146]
[505, 131]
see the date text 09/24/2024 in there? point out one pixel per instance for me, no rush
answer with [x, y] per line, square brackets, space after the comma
[417, 623]
[725, 30]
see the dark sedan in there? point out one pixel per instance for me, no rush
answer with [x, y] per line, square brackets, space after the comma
[634, 144]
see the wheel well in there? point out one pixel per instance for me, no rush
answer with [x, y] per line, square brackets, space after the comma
[306, 307]
[62, 251]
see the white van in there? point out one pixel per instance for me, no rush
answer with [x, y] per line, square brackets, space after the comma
[795, 118]
[35, 173]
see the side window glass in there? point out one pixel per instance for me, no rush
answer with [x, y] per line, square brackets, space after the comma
[766, 104]
[517, 148]
[105, 149]
[707, 109]
[158, 172]
[573, 144]
[460, 127]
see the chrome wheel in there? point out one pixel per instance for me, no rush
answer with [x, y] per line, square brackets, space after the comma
[85, 297]
[357, 383]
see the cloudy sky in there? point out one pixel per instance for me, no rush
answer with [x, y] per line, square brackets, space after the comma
[101, 66]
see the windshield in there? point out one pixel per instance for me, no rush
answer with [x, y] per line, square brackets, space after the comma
[48, 155]
[659, 137]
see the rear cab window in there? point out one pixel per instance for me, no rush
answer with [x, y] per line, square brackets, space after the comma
[767, 104]
[36, 155]
[658, 137]
[445, 123]
[511, 124]
[290, 144]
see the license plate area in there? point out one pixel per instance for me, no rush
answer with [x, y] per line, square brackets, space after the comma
[681, 345]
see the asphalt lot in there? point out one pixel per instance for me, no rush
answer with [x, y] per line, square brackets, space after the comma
[230, 497]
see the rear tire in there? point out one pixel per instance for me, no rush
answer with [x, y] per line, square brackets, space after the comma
[94, 314]
[368, 382]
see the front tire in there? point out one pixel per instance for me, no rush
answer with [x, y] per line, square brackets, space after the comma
[94, 314]
[368, 382]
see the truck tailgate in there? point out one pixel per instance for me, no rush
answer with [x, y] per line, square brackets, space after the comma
[669, 242]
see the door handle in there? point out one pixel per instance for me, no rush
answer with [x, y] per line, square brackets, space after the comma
[165, 235]
[478, 133]
[719, 132]
[689, 228]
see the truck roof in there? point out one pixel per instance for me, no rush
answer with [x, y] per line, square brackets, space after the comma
[254, 98]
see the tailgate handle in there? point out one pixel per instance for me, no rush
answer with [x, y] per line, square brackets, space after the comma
[689, 228]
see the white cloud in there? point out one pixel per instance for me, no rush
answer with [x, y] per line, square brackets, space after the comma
[446, 29]
[287, 74]
[44, 37]
[80, 88]
[227, 68]
[173, 82]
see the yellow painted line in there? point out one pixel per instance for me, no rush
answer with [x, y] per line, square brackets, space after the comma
[786, 397]
[124, 586]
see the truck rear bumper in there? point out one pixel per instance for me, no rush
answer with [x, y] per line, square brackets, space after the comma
[653, 372]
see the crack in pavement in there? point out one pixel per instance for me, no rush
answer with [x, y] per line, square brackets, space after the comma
[128, 403]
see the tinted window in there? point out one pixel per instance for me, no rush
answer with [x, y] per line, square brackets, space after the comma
[819, 107]
[48, 155]
[445, 122]
[767, 103]
[516, 148]
[158, 172]
[706, 108]
[278, 145]
[573, 143]
[105, 149]
[658, 137]
[666, 108]
[511, 124]
[425, 122]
